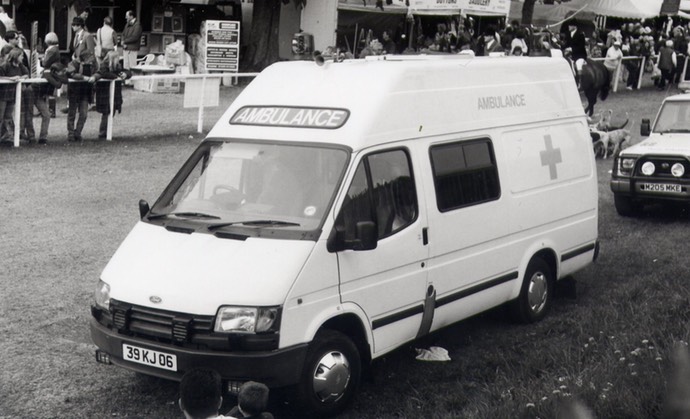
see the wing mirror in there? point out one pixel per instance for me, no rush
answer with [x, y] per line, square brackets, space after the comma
[645, 129]
[366, 238]
[143, 208]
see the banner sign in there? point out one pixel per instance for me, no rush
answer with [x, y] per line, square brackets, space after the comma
[222, 45]
[499, 7]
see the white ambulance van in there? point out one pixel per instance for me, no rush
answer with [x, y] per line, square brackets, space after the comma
[336, 212]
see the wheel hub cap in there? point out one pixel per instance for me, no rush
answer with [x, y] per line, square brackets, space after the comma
[331, 377]
[538, 291]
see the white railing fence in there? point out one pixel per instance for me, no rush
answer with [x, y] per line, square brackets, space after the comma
[109, 136]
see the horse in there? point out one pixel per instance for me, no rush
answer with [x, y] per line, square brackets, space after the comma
[595, 80]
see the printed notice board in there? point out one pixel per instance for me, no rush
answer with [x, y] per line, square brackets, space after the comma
[222, 45]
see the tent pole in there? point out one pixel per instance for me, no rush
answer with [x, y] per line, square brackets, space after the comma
[354, 44]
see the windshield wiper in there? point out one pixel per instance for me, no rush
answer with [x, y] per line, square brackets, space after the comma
[260, 223]
[184, 214]
[675, 130]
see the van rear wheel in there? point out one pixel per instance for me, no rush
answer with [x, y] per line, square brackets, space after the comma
[331, 374]
[536, 295]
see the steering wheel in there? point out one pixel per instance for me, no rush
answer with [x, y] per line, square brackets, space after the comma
[228, 188]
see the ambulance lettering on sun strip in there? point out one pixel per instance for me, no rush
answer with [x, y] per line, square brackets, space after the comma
[284, 116]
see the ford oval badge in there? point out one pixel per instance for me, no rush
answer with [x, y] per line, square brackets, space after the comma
[155, 299]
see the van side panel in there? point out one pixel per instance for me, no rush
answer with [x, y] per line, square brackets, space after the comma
[313, 298]
[548, 200]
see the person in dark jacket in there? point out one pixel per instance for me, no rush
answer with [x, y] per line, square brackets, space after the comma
[667, 64]
[131, 38]
[79, 93]
[10, 69]
[251, 402]
[109, 69]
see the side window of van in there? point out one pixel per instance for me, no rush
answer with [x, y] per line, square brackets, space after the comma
[382, 191]
[465, 173]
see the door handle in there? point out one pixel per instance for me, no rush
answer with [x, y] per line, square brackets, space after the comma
[425, 236]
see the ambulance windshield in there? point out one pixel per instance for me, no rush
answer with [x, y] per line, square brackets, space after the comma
[673, 117]
[253, 185]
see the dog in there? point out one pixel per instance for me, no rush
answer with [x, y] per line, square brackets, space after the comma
[611, 142]
[604, 124]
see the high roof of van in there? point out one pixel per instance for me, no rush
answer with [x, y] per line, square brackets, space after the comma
[370, 101]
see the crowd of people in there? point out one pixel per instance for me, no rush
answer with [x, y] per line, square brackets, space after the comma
[661, 44]
[93, 57]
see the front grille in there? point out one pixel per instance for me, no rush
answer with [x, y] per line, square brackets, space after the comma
[178, 329]
[159, 325]
[663, 166]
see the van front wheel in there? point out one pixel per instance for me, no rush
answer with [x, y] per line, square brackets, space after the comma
[331, 373]
[536, 295]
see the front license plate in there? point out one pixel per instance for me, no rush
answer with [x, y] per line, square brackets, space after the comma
[149, 357]
[660, 187]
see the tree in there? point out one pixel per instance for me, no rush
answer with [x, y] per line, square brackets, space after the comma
[527, 12]
[262, 49]
[79, 5]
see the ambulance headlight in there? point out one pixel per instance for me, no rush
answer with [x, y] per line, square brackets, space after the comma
[648, 168]
[102, 295]
[626, 165]
[247, 319]
[678, 170]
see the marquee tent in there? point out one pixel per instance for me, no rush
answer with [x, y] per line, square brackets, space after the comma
[547, 14]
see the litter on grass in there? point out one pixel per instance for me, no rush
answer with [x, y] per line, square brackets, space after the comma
[434, 353]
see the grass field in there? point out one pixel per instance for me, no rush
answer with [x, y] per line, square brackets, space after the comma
[66, 207]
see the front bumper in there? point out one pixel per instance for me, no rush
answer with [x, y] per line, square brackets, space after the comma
[276, 368]
[632, 187]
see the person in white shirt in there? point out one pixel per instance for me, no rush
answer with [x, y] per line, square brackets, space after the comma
[105, 39]
[519, 42]
[614, 56]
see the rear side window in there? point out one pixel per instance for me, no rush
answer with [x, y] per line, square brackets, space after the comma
[464, 174]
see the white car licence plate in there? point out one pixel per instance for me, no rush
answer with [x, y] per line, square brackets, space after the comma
[149, 357]
[660, 187]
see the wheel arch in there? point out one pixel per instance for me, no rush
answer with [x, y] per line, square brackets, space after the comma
[544, 252]
[351, 326]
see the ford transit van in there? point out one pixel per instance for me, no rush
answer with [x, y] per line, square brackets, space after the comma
[336, 212]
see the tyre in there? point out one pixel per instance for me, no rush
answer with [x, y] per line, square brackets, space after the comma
[536, 294]
[626, 206]
[331, 374]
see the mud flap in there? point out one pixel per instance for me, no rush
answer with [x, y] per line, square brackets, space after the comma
[428, 316]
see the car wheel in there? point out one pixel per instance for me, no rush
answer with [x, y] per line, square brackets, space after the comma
[331, 374]
[626, 206]
[536, 294]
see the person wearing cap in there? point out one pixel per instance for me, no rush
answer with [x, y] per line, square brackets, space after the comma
[575, 44]
[575, 40]
[614, 57]
[667, 64]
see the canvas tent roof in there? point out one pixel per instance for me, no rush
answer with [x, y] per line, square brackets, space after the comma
[547, 14]
[423, 7]
[634, 9]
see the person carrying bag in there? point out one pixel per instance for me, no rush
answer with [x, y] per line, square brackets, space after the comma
[105, 39]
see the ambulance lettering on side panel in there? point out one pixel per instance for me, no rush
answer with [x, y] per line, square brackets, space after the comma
[328, 220]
